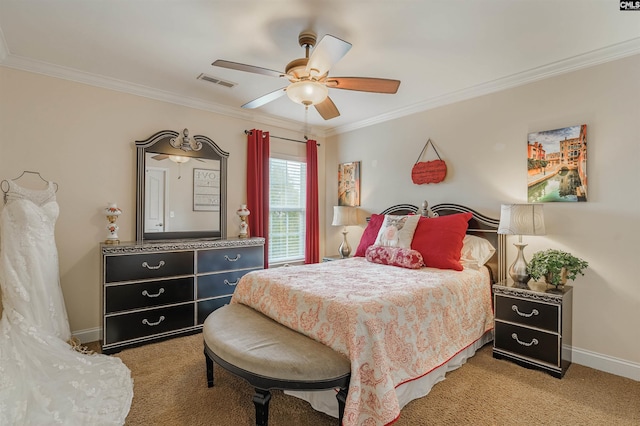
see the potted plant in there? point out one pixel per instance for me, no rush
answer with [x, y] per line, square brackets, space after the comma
[556, 266]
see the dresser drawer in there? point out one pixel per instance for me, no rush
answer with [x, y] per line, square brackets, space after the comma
[147, 323]
[528, 312]
[224, 259]
[205, 307]
[534, 344]
[153, 265]
[125, 297]
[213, 285]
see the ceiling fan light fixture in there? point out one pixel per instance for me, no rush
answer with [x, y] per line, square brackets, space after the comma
[307, 92]
[178, 159]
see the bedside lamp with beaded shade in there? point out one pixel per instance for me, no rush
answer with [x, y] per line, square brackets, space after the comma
[521, 219]
[344, 216]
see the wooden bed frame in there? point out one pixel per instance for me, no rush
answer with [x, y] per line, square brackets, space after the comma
[479, 225]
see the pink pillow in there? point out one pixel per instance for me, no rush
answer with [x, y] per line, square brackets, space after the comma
[394, 256]
[370, 234]
[439, 240]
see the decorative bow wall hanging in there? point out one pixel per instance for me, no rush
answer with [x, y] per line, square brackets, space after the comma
[428, 171]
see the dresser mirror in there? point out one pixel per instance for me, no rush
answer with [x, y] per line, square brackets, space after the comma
[181, 189]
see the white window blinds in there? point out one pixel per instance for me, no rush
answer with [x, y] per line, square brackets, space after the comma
[287, 205]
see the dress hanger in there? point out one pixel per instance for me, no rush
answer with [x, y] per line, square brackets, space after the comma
[4, 185]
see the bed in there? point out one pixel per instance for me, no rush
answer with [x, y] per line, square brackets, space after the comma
[401, 325]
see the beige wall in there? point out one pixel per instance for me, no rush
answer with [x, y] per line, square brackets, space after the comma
[483, 142]
[82, 137]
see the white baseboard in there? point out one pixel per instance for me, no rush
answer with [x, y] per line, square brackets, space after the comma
[88, 335]
[606, 363]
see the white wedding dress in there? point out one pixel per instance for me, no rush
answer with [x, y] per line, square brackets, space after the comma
[43, 381]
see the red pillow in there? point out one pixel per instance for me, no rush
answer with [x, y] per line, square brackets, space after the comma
[394, 256]
[439, 240]
[370, 234]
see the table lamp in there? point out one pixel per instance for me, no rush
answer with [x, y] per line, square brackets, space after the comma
[521, 219]
[344, 216]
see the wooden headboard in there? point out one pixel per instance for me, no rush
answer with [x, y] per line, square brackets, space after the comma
[479, 225]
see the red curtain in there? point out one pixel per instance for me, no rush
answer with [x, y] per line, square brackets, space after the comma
[312, 240]
[258, 187]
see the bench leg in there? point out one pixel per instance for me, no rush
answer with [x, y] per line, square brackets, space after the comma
[342, 399]
[261, 401]
[209, 362]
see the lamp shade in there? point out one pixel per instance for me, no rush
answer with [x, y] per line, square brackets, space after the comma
[521, 219]
[344, 216]
[307, 92]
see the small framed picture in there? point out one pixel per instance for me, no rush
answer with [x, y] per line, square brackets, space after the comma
[349, 184]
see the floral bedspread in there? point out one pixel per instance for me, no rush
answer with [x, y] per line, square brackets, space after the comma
[394, 324]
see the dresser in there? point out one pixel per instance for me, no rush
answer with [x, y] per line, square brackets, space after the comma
[533, 326]
[160, 289]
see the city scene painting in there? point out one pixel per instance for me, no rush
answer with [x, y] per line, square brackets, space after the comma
[557, 165]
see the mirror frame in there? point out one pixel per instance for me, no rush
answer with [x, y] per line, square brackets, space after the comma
[159, 143]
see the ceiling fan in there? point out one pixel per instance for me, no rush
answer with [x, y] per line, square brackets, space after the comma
[309, 79]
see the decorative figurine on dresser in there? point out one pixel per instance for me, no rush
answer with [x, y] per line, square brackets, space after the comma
[181, 266]
[533, 325]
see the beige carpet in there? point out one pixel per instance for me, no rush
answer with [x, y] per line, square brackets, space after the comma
[170, 389]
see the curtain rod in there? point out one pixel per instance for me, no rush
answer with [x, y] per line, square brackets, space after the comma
[248, 132]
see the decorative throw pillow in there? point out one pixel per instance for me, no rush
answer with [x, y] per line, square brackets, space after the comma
[476, 249]
[370, 234]
[439, 240]
[397, 231]
[395, 256]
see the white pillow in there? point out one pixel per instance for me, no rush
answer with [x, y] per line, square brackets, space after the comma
[397, 231]
[476, 249]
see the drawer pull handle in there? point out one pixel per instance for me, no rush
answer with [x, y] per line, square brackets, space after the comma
[146, 293]
[146, 321]
[515, 337]
[229, 283]
[238, 256]
[522, 314]
[146, 265]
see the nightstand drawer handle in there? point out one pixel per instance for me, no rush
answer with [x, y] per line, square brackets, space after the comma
[515, 337]
[238, 256]
[522, 314]
[146, 321]
[229, 283]
[146, 293]
[146, 265]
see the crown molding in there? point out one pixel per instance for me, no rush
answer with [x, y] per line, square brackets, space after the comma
[39, 67]
[586, 60]
[589, 59]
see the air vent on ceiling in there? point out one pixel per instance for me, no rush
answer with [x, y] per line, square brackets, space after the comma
[215, 80]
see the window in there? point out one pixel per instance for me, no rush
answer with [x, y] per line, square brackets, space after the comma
[287, 205]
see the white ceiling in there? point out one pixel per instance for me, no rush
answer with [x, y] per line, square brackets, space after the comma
[442, 50]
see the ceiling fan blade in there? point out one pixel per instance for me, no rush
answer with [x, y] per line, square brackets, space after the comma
[160, 157]
[364, 84]
[329, 51]
[265, 99]
[327, 109]
[247, 68]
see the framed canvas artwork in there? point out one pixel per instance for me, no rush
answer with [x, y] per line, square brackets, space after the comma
[349, 184]
[557, 165]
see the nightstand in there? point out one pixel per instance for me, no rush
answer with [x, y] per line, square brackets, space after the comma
[330, 258]
[533, 326]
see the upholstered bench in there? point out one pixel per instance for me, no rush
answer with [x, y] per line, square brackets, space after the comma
[271, 356]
